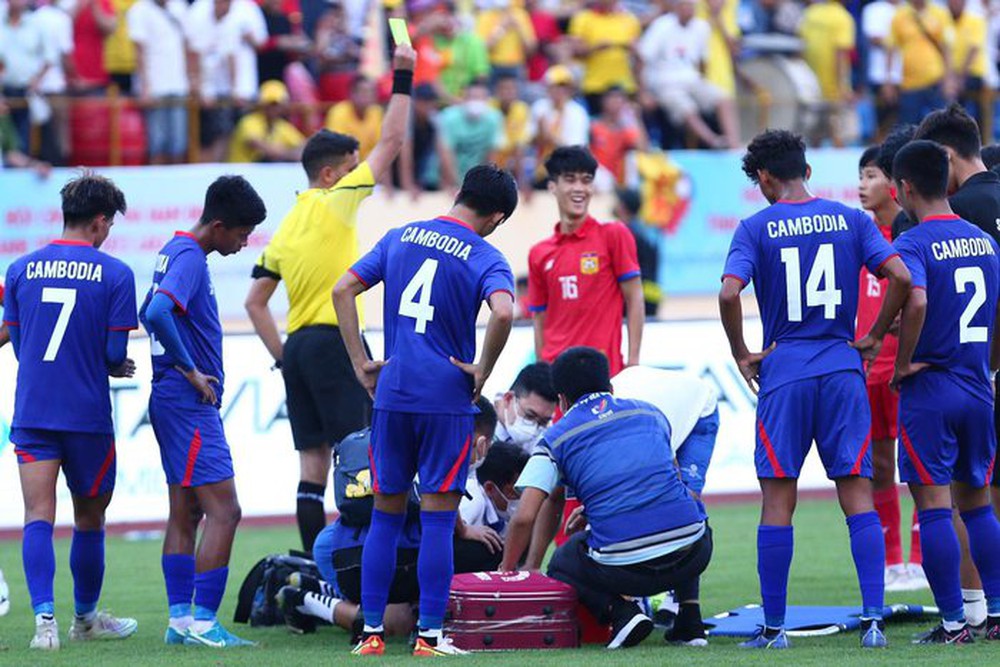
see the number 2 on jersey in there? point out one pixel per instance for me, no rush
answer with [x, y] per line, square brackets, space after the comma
[66, 298]
[823, 273]
[421, 310]
[971, 275]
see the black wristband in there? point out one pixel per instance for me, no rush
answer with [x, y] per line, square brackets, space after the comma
[402, 81]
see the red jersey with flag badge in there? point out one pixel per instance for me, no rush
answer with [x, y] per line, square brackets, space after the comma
[575, 279]
[871, 293]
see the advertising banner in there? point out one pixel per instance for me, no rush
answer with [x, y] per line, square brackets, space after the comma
[260, 439]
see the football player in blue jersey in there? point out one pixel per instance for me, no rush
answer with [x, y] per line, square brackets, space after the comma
[804, 255]
[437, 273]
[182, 317]
[947, 348]
[69, 308]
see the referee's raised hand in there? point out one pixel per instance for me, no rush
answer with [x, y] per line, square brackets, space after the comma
[404, 58]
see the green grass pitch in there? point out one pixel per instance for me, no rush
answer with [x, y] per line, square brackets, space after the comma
[822, 573]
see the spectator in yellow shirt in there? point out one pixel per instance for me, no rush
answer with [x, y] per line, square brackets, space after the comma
[119, 51]
[604, 38]
[265, 135]
[968, 56]
[827, 32]
[922, 35]
[509, 36]
[360, 116]
[723, 43]
[517, 129]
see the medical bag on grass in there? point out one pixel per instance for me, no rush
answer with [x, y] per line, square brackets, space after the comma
[494, 611]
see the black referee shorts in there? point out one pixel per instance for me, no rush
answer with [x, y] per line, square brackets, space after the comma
[325, 401]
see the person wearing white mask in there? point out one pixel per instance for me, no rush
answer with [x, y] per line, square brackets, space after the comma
[490, 502]
[470, 132]
[525, 411]
[690, 405]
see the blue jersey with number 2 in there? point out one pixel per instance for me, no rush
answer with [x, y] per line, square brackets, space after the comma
[804, 259]
[437, 273]
[956, 262]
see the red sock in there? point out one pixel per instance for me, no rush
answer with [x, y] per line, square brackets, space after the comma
[916, 555]
[887, 506]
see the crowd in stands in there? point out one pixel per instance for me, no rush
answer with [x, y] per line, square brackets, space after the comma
[503, 80]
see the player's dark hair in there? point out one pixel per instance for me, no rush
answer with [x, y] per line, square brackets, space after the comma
[535, 378]
[488, 189]
[952, 127]
[580, 371]
[924, 165]
[503, 464]
[232, 201]
[991, 156]
[88, 196]
[779, 152]
[485, 423]
[899, 137]
[326, 149]
[869, 158]
[570, 160]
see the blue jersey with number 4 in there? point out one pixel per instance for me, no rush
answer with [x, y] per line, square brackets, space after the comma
[956, 262]
[182, 274]
[804, 259]
[437, 273]
[64, 298]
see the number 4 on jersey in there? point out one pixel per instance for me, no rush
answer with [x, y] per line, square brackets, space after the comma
[821, 289]
[422, 283]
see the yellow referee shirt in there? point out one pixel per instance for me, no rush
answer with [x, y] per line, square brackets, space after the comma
[315, 245]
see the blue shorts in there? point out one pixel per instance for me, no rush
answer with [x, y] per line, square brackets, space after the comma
[945, 433]
[193, 447]
[88, 459]
[434, 446]
[695, 453]
[831, 410]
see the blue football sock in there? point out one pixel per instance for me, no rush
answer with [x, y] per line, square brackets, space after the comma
[378, 564]
[941, 560]
[435, 566]
[209, 587]
[39, 565]
[868, 549]
[984, 543]
[178, 573]
[774, 559]
[86, 562]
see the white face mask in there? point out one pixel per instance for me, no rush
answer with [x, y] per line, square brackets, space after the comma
[476, 108]
[524, 433]
[508, 513]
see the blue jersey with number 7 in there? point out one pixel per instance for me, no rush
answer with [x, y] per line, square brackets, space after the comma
[957, 264]
[437, 273]
[64, 299]
[804, 259]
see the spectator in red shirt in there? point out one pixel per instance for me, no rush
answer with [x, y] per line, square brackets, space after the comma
[874, 190]
[614, 133]
[93, 21]
[583, 277]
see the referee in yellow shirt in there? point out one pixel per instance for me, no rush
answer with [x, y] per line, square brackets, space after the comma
[314, 246]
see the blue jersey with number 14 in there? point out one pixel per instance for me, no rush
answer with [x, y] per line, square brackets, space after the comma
[957, 263]
[437, 273]
[804, 259]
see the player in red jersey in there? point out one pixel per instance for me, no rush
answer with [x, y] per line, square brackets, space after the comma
[586, 274]
[875, 192]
